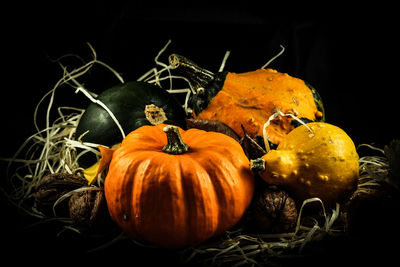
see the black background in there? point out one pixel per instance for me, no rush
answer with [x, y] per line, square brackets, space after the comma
[349, 54]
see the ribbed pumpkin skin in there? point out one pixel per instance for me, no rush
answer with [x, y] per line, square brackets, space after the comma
[177, 200]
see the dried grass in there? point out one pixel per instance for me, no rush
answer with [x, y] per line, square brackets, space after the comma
[236, 248]
[55, 149]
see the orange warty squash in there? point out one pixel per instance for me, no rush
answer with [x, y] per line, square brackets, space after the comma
[250, 98]
[174, 188]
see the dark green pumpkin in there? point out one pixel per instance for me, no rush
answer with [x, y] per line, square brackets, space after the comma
[127, 102]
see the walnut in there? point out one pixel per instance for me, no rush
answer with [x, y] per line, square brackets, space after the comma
[88, 208]
[52, 187]
[272, 211]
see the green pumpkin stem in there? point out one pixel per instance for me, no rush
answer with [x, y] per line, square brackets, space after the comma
[174, 145]
[257, 165]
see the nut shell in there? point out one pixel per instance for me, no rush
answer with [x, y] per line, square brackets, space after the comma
[272, 211]
[52, 187]
[88, 208]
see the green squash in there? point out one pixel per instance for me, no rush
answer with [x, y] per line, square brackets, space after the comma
[134, 104]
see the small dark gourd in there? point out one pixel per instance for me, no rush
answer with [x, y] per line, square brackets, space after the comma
[249, 99]
[134, 104]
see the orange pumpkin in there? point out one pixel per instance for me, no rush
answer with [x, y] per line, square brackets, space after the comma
[177, 188]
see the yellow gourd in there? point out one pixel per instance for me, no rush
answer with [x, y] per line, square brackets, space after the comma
[314, 160]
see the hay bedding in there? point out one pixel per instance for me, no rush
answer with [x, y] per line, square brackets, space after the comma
[53, 149]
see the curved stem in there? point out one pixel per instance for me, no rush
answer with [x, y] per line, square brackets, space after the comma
[204, 83]
[199, 77]
[174, 145]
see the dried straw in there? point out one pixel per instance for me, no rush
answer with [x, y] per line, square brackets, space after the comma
[237, 248]
[55, 149]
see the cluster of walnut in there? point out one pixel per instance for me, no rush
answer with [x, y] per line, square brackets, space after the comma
[86, 205]
[272, 210]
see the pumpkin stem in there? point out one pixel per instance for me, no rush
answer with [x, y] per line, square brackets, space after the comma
[205, 84]
[198, 76]
[174, 145]
[257, 165]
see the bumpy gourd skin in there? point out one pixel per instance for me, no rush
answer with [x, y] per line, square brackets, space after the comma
[319, 161]
[250, 98]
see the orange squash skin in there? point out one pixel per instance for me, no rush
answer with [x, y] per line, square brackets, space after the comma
[251, 98]
[177, 200]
